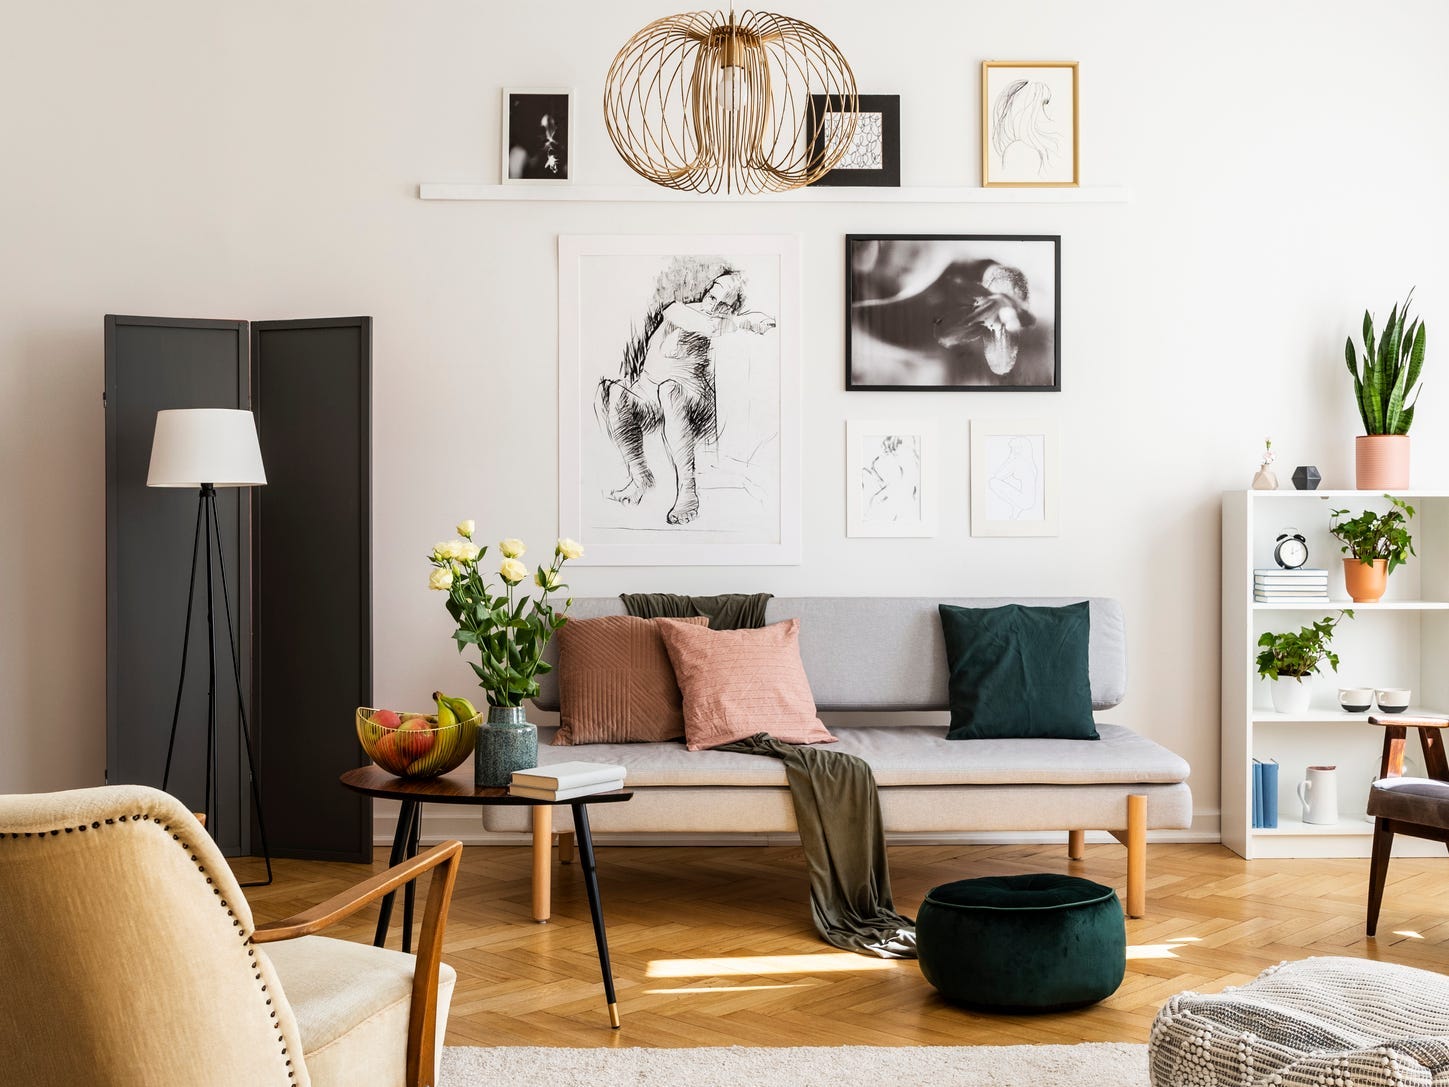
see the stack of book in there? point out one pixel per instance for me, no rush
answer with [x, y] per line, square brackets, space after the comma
[1265, 793]
[1279, 586]
[566, 780]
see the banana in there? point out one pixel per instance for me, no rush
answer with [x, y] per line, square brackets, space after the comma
[446, 716]
[462, 708]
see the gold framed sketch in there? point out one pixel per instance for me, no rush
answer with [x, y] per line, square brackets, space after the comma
[1029, 123]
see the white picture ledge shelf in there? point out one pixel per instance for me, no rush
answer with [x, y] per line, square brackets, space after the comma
[653, 194]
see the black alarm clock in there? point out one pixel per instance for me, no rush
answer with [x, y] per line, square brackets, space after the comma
[1291, 550]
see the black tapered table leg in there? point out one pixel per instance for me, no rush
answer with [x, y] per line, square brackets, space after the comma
[401, 839]
[410, 889]
[591, 882]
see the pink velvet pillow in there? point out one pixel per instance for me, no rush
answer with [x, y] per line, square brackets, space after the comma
[615, 682]
[739, 682]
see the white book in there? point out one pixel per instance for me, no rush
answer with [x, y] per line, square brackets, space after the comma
[567, 775]
[566, 794]
[1284, 571]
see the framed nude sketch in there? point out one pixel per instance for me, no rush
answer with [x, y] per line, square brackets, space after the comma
[1013, 477]
[890, 476]
[679, 399]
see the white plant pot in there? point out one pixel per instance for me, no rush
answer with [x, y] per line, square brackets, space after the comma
[1290, 696]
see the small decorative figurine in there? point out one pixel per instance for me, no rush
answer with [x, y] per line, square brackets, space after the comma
[1265, 480]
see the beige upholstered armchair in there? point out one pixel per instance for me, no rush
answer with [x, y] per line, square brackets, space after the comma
[128, 956]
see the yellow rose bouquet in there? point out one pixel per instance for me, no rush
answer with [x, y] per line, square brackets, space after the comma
[509, 628]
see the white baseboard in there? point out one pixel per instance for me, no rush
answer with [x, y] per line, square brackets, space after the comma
[444, 821]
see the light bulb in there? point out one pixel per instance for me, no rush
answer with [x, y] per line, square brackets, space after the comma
[732, 89]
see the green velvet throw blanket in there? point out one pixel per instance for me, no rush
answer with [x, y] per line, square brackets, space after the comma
[728, 611]
[836, 806]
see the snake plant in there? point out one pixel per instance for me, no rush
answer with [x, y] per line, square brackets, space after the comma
[1390, 371]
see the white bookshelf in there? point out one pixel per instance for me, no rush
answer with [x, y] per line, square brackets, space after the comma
[1398, 642]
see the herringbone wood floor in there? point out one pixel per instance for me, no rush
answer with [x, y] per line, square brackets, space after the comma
[714, 946]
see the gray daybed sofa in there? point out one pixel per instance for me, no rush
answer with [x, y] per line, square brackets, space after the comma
[882, 655]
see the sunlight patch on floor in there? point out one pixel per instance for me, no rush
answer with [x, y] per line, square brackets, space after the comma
[1410, 933]
[764, 964]
[721, 989]
[1164, 950]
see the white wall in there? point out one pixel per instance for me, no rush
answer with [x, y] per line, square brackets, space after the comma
[260, 160]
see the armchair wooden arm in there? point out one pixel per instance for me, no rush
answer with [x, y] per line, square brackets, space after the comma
[1431, 740]
[423, 1015]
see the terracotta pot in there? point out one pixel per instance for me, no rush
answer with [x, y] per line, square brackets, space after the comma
[1365, 583]
[1381, 462]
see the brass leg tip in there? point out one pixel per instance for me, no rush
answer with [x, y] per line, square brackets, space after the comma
[614, 1016]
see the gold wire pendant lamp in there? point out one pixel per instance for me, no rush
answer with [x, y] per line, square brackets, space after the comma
[709, 102]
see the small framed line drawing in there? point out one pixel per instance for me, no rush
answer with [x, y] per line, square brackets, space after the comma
[890, 474]
[1013, 477]
[1029, 123]
[536, 134]
[874, 155]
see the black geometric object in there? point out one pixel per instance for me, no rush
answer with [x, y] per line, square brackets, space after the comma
[1306, 477]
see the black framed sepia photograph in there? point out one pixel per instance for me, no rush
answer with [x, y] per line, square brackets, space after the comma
[536, 129]
[1029, 124]
[966, 312]
[874, 155]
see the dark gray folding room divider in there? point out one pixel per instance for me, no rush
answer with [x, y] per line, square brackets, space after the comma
[305, 649]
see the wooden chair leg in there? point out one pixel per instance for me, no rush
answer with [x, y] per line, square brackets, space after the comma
[1076, 844]
[1378, 871]
[542, 855]
[566, 847]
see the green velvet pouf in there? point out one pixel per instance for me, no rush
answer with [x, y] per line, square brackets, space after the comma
[1022, 944]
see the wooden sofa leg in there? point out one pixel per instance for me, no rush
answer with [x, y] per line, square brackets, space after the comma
[1076, 844]
[542, 855]
[566, 847]
[1135, 839]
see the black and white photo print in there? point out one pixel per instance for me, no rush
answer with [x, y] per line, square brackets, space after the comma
[679, 399]
[536, 134]
[964, 312]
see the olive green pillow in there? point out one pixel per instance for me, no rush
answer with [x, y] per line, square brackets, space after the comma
[1018, 672]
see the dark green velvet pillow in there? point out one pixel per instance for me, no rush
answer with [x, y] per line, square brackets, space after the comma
[1018, 672]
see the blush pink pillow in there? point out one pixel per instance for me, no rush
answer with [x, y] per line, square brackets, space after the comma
[739, 682]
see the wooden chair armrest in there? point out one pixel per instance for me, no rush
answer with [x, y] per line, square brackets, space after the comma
[423, 1014]
[1409, 722]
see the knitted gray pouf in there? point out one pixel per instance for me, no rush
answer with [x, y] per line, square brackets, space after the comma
[1307, 1024]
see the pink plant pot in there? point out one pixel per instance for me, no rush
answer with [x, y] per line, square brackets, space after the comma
[1381, 462]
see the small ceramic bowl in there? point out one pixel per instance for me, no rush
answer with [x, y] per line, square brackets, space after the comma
[1355, 699]
[1393, 699]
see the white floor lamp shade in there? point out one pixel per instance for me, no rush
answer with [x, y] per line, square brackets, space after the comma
[193, 446]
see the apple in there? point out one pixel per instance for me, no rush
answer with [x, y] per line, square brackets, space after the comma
[414, 738]
[386, 753]
[386, 719]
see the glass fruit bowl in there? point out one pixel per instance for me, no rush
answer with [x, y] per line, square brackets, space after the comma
[412, 745]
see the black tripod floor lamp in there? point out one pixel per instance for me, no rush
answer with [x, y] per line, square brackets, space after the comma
[209, 448]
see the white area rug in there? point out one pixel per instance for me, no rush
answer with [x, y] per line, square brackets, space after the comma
[1098, 1064]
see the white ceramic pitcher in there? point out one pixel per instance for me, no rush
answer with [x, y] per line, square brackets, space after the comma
[1318, 793]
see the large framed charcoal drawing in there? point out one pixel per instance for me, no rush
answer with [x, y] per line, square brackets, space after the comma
[679, 399]
[962, 312]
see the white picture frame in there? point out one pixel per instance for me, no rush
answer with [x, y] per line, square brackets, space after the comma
[731, 387]
[1014, 477]
[890, 478]
[532, 153]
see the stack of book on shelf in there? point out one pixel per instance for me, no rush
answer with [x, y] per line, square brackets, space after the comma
[566, 780]
[1280, 586]
[1265, 793]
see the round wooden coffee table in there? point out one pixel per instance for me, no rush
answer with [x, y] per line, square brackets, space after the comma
[458, 788]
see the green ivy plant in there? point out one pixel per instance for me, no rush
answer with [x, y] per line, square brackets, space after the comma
[1371, 535]
[1296, 655]
[1390, 371]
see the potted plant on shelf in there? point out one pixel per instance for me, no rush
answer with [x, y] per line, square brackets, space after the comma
[1288, 659]
[1386, 392]
[1375, 544]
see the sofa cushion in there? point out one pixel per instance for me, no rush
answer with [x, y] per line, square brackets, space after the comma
[739, 682]
[616, 684]
[906, 755]
[1018, 672]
